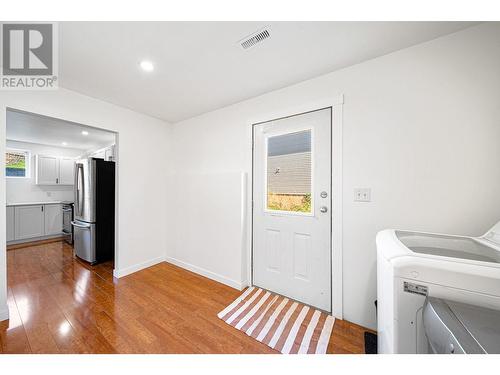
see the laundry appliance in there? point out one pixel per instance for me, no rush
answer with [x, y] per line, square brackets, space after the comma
[412, 266]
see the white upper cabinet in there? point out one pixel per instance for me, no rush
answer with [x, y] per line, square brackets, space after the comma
[99, 154]
[107, 153]
[52, 170]
[47, 170]
[66, 171]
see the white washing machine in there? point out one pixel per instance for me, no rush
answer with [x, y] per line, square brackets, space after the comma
[414, 265]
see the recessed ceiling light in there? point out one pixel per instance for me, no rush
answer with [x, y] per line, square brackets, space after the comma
[147, 66]
[64, 144]
[84, 132]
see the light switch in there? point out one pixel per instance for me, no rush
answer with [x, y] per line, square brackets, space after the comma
[362, 195]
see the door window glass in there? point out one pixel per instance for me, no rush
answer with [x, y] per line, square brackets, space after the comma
[289, 172]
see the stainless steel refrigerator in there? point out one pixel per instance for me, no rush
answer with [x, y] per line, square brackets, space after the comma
[94, 212]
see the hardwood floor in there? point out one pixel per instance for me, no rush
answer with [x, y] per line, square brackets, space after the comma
[61, 305]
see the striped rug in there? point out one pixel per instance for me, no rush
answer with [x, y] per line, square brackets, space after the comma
[281, 323]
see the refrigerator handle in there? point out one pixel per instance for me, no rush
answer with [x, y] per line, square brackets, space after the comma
[79, 225]
[79, 189]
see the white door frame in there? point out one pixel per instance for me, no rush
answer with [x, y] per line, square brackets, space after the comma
[336, 105]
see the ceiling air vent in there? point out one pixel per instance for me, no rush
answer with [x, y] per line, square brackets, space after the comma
[255, 38]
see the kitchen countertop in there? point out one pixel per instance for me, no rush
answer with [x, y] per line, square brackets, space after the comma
[34, 203]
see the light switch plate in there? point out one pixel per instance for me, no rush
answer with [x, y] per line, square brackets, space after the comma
[362, 195]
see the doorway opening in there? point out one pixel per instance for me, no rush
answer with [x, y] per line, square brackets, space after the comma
[61, 196]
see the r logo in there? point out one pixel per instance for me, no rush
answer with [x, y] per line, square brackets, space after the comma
[27, 49]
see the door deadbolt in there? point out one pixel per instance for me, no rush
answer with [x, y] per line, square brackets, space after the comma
[323, 194]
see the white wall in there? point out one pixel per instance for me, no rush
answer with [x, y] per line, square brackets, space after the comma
[25, 189]
[142, 187]
[421, 128]
[219, 239]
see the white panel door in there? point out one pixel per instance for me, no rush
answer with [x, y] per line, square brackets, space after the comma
[29, 222]
[53, 218]
[47, 170]
[10, 223]
[291, 207]
[66, 171]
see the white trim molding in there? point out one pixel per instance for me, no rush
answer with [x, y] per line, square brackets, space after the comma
[209, 274]
[297, 109]
[337, 213]
[336, 104]
[136, 267]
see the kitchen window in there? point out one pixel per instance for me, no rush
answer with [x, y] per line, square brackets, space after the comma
[17, 163]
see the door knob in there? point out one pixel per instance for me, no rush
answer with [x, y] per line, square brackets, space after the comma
[323, 209]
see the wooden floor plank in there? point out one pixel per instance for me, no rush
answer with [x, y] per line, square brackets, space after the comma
[13, 337]
[59, 304]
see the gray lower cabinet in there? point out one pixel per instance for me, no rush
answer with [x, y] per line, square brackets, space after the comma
[29, 222]
[10, 224]
[53, 219]
[32, 221]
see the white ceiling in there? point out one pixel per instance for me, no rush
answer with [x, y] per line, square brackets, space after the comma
[28, 127]
[199, 66]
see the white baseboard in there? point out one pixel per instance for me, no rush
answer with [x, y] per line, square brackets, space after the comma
[204, 272]
[4, 313]
[34, 239]
[190, 267]
[137, 267]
